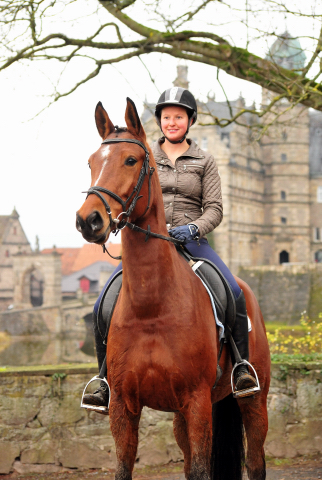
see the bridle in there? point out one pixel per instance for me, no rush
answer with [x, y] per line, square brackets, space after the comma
[146, 170]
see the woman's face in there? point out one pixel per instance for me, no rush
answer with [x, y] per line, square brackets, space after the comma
[174, 122]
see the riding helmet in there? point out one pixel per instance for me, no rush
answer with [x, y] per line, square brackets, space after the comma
[177, 96]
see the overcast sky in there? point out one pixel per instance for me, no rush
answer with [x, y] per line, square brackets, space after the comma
[44, 160]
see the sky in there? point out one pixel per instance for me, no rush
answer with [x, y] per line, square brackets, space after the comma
[44, 159]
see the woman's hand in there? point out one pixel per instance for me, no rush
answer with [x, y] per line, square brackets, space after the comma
[185, 233]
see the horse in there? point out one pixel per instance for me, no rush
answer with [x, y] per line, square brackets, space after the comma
[163, 345]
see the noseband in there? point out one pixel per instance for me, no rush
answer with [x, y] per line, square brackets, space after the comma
[132, 199]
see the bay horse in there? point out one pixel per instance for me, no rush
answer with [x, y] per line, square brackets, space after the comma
[163, 344]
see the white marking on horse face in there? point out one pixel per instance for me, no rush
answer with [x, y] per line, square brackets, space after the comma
[106, 154]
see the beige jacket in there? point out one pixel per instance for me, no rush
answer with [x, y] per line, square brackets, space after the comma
[191, 188]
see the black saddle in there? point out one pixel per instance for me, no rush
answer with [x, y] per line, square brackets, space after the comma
[208, 272]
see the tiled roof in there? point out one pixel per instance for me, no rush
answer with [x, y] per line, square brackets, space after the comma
[75, 259]
[90, 253]
[68, 257]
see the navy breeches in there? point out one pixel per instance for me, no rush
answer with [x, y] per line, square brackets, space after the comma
[203, 250]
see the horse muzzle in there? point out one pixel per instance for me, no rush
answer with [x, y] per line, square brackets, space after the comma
[92, 228]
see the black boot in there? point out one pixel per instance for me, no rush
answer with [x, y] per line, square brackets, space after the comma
[100, 397]
[242, 378]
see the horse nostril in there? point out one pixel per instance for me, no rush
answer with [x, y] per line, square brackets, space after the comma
[94, 220]
[80, 224]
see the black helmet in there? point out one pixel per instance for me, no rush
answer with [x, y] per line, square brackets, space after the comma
[177, 96]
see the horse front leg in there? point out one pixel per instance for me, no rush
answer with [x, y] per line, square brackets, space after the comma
[124, 428]
[198, 416]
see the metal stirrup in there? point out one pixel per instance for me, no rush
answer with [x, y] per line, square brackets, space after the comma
[247, 391]
[96, 408]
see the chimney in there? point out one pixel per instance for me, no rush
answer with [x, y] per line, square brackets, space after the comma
[182, 77]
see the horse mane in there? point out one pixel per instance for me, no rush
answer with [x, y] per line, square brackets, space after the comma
[120, 129]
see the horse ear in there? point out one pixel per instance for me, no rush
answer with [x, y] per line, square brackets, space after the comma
[103, 122]
[132, 119]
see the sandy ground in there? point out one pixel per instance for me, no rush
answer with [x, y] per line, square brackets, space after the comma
[300, 469]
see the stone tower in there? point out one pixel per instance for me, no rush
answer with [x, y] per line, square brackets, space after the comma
[182, 77]
[285, 154]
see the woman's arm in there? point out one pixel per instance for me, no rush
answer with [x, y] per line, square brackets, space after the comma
[211, 199]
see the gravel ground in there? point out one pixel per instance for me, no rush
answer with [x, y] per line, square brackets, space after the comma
[300, 469]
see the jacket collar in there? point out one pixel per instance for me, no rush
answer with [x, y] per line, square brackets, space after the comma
[192, 152]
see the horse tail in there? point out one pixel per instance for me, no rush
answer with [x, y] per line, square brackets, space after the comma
[228, 450]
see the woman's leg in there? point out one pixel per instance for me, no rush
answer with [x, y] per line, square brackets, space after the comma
[243, 380]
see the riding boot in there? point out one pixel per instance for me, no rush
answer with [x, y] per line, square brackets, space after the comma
[100, 397]
[242, 378]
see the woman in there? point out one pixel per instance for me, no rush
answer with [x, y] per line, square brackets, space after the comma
[191, 191]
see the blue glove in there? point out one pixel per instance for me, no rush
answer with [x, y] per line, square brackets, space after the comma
[185, 233]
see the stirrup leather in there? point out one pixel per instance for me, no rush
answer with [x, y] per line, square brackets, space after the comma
[247, 391]
[97, 408]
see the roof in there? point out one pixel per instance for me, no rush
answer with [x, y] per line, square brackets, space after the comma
[68, 257]
[287, 52]
[75, 259]
[4, 220]
[70, 283]
[90, 253]
[217, 109]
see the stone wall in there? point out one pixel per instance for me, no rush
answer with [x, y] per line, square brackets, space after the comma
[56, 319]
[285, 291]
[43, 428]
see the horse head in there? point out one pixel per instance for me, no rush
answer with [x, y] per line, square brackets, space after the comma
[119, 188]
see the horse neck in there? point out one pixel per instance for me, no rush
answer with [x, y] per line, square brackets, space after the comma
[148, 264]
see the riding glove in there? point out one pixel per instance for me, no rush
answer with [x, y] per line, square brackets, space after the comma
[185, 233]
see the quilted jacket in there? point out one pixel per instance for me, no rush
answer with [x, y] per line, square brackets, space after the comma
[191, 188]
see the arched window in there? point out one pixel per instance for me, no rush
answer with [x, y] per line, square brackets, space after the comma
[36, 288]
[284, 257]
[318, 256]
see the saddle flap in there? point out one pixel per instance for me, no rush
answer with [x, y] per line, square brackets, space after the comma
[107, 304]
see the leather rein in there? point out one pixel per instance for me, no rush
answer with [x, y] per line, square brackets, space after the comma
[146, 170]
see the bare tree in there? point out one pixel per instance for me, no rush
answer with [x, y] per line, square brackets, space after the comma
[198, 31]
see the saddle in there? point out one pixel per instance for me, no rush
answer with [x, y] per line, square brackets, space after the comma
[217, 286]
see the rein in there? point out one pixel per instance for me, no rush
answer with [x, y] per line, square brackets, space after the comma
[133, 198]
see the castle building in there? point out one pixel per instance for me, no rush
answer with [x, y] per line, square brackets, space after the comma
[13, 240]
[272, 189]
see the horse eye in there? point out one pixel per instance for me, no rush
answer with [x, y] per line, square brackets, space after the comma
[89, 166]
[130, 161]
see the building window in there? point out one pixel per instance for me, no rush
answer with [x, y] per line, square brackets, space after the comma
[318, 256]
[284, 257]
[7, 253]
[284, 157]
[283, 220]
[284, 135]
[224, 136]
[319, 195]
[283, 195]
[15, 230]
[204, 143]
[317, 234]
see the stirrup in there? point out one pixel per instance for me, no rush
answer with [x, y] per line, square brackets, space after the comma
[97, 408]
[247, 391]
